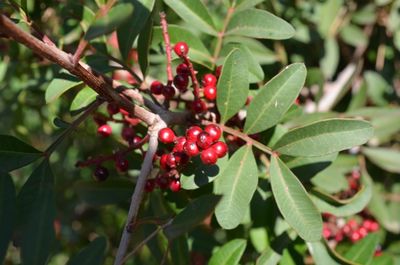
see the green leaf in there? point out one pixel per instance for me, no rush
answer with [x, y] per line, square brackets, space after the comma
[293, 202]
[330, 61]
[275, 98]
[100, 193]
[192, 215]
[269, 257]
[378, 89]
[60, 85]
[324, 137]
[131, 28]
[385, 158]
[363, 251]
[237, 184]
[261, 24]
[384, 259]
[353, 36]
[83, 99]
[195, 13]
[15, 153]
[7, 212]
[229, 254]
[197, 174]
[320, 254]
[245, 4]
[198, 53]
[233, 86]
[327, 13]
[36, 207]
[111, 21]
[92, 254]
[143, 46]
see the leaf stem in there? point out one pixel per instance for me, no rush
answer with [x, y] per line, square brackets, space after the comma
[221, 34]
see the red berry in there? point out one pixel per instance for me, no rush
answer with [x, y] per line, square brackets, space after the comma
[171, 161]
[363, 232]
[355, 174]
[209, 80]
[198, 106]
[163, 161]
[181, 158]
[355, 236]
[339, 236]
[150, 185]
[181, 49]
[326, 232]
[128, 133]
[166, 135]
[122, 164]
[112, 109]
[156, 88]
[183, 69]
[193, 132]
[175, 185]
[168, 92]
[100, 173]
[100, 119]
[346, 229]
[191, 148]
[218, 71]
[181, 82]
[136, 140]
[208, 156]
[214, 131]
[374, 227]
[353, 224]
[162, 181]
[210, 92]
[179, 143]
[220, 148]
[204, 140]
[104, 130]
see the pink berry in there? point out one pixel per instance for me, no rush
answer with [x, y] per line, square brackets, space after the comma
[326, 232]
[355, 236]
[104, 130]
[166, 135]
[181, 49]
[208, 156]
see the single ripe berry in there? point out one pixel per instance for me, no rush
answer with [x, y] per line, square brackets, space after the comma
[168, 92]
[179, 143]
[171, 161]
[100, 173]
[214, 131]
[355, 236]
[112, 108]
[162, 181]
[166, 135]
[156, 88]
[181, 82]
[191, 148]
[150, 185]
[204, 140]
[199, 106]
[163, 161]
[175, 185]
[220, 148]
[181, 49]
[104, 130]
[209, 80]
[363, 231]
[122, 164]
[326, 232]
[193, 132]
[210, 92]
[182, 69]
[128, 133]
[136, 140]
[208, 156]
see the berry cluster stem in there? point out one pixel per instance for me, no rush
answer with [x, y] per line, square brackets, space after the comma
[164, 25]
[221, 34]
[195, 83]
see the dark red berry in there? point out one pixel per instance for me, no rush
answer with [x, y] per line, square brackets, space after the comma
[181, 49]
[100, 119]
[208, 156]
[210, 92]
[156, 88]
[209, 80]
[150, 185]
[100, 173]
[136, 140]
[191, 148]
[181, 82]
[104, 130]
[175, 185]
[183, 69]
[193, 132]
[122, 164]
[199, 106]
[179, 143]
[163, 161]
[218, 71]
[204, 140]
[171, 161]
[220, 149]
[163, 181]
[181, 158]
[166, 135]
[112, 108]
[168, 92]
[128, 133]
[214, 131]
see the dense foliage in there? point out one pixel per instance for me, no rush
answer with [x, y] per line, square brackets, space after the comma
[267, 132]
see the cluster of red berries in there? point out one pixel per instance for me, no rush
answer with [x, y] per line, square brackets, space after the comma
[196, 142]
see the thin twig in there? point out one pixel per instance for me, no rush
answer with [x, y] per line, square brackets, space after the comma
[221, 34]
[165, 256]
[167, 43]
[195, 83]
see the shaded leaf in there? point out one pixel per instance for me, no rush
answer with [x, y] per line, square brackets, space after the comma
[353, 35]
[274, 99]
[15, 153]
[143, 46]
[92, 254]
[244, 4]
[324, 137]
[84, 97]
[7, 212]
[60, 85]
[192, 215]
[378, 89]
[293, 202]
[195, 13]
[363, 251]
[229, 254]
[320, 254]
[385, 158]
[237, 184]
[329, 62]
[257, 23]
[233, 86]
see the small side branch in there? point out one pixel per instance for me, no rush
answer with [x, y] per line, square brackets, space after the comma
[167, 42]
